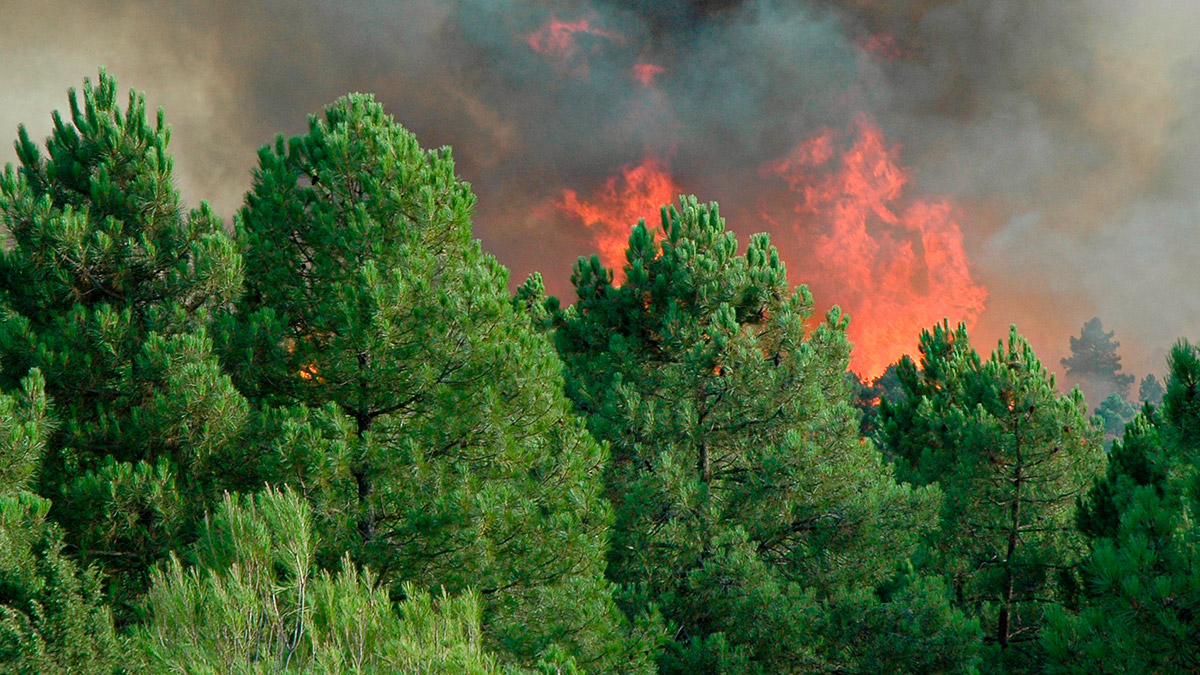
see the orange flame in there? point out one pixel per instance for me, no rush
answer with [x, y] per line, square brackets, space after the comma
[646, 72]
[556, 41]
[899, 264]
[639, 192]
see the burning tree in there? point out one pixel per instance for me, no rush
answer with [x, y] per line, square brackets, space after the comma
[748, 509]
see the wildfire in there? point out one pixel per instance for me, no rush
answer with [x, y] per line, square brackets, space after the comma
[646, 72]
[639, 192]
[556, 40]
[898, 263]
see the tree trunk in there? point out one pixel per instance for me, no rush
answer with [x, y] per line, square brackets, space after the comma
[362, 480]
[1004, 630]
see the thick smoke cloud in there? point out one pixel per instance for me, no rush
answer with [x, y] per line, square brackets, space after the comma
[1066, 132]
[1072, 129]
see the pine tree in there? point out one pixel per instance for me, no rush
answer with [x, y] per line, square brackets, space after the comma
[417, 408]
[255, 602]
[52, 614]
[1011, 455]
[1115, 412]
[108, 288]
[748, 508]
[1151, 391]
[1141, 607]
[1095, 365]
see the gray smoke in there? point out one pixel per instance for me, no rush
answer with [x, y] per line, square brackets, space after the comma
[1066, 131]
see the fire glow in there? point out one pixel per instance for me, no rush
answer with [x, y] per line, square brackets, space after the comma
[638, 192]
[894, 262]
[556, 41]
[645, 73]
[897, 263]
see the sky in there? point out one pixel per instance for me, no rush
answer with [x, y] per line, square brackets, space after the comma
[1028, 162]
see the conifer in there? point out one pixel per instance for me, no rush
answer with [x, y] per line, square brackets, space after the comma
[417, 408]
[108, 289]
[748, 507]
[1012, 455]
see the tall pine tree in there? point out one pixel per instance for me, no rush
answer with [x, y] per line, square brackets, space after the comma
[1141, 602]
[748, 508]
[416, 407]
[1095, 365]
[108, 289]
[1012, 455]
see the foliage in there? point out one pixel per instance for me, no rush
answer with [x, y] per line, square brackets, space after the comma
[746, 502]
[867, 397]
[691, 484]
[1114, 412]
[108, 289]
[255, 602]
[1095, 363]
[375, 331]
[1151, 390]
[1011, 455]
[52, 615]
[1142, 609]
[24, 426]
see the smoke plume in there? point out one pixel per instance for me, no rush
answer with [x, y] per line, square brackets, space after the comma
[1062, 138]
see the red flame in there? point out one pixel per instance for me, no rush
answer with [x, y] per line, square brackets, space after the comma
[646, 72]
[898, 264]
[639, 192]
[883, 46]
[556, 41]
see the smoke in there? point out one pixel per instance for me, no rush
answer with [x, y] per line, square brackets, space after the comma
[1065, 133]
[1072, 129]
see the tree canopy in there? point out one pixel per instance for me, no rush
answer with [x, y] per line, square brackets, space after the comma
[334, 441]
[1095, 364]
[748, 509]
[108, 288]
[439, 448]
[1012, 455]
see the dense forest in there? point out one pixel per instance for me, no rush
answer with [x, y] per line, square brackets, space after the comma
[330, 439]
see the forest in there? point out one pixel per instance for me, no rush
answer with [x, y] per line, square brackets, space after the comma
[328, 438]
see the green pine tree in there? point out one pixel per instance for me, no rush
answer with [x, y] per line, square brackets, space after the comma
[1012, 455]
[748, 508]
[1141, 604]
[1114, 413]
[1151, 391]
[417, 408]
[108, 288]
[52, 614]
[255, 602]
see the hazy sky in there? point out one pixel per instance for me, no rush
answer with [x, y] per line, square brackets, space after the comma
[1065, 135]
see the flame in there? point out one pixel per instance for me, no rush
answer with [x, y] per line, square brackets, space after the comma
[639, 192]
[556, 41]
[307, 371]
[646, 72]
[898, 264]
[883, 46]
